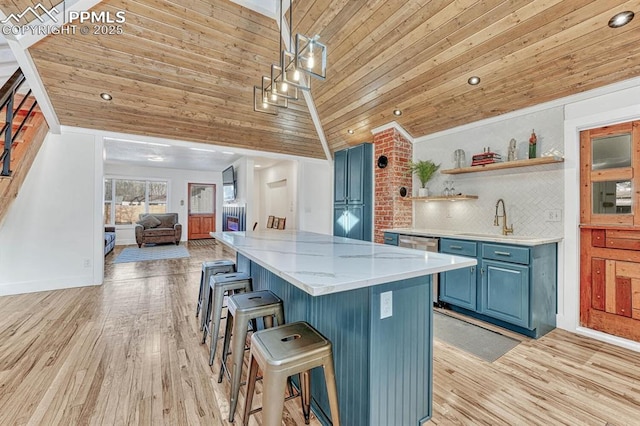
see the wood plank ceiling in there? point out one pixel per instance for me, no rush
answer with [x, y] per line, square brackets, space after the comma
[186, 69]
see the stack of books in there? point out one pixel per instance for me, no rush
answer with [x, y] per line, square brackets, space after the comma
[485, 158]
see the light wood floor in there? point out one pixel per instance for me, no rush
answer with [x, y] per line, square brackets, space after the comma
[128, 352]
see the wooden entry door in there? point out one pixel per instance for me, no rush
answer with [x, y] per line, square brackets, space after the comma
[610, 230]
[202, 210]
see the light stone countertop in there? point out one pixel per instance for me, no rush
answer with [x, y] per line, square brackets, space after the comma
[495, 238]
[323, 264]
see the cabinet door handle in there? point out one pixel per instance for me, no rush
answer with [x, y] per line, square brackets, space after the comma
[502, 253]
[388, 239]
[481, 271]
[473, 269]
[455, 247]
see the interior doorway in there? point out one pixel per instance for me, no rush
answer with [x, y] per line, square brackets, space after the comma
[202, 210]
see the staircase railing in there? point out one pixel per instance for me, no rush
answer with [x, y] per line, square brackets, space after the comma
[7, 97]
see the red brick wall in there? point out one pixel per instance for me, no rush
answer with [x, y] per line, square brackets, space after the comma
[391, 210]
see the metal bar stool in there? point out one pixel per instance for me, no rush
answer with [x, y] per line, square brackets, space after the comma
[212, 308]
[281, 352]
[241, 309]
[210, 268]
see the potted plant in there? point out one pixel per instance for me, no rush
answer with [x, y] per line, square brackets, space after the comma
[424, 170]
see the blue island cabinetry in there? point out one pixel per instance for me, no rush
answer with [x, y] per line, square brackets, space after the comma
[373, 302]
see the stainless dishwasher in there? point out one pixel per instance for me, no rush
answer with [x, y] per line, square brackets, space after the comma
[424, 244]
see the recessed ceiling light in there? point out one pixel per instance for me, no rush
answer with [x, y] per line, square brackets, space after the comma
[228, 152]
[106, 96]
[397, 112]
[155, 158]
[475, 80]
[350, 131]
[620, 19]
[257, 165]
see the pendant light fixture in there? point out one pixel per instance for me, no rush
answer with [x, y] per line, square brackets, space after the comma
[307, 57]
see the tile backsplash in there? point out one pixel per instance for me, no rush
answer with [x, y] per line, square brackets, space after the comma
[529, 193]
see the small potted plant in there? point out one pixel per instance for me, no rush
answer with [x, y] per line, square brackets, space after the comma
[424, 170]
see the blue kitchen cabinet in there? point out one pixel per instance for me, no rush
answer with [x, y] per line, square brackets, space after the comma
[391, 238]
[353, 192]
[515, 286]
[505, 292]
[459, 287]
[340, 177]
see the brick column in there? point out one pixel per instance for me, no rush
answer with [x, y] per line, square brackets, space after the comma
[392, 210]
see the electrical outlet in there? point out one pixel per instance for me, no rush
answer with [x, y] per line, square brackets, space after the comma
[87, 263]
[553, 215]
[386, 304]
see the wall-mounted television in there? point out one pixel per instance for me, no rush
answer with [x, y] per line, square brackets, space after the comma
[229, 184]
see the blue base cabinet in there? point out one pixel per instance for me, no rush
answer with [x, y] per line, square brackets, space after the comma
[459, 287]
[515, 286]
[391, 238]
[505, 292]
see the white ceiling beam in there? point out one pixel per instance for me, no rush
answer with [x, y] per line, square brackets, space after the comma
[308, 98]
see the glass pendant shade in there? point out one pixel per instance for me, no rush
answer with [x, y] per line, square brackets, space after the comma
[285, 89]
[260, 104]
[270, 94]
[291, 75]
[311, 56]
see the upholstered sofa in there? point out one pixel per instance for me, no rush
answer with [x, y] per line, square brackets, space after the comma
[158, 228]
[109, 239]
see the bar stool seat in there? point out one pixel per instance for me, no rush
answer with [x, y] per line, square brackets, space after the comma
[281, 352]
[212, 308]
[209, 268]
[241, 309]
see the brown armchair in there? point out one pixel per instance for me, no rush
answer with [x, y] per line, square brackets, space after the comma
[158, 228]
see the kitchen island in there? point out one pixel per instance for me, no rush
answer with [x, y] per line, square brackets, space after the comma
[372, 301]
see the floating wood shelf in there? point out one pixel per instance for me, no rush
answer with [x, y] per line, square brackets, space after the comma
[443, 198]
[504, 165]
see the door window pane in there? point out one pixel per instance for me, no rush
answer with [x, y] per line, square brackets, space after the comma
[611, 152]
[612, 197]
[202, 199]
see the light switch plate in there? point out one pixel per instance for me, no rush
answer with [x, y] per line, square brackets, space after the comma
[553, 215]
[386, 304]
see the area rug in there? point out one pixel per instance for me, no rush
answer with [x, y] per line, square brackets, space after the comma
[478, 341]
[159, 252]
[203, 242]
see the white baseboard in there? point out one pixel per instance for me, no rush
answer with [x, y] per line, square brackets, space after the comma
[9, 289]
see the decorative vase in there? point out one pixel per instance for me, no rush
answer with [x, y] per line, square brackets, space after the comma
[423, 192]
[532, 145]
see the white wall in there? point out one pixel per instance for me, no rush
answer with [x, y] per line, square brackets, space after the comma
[52, 236]
[527, 192]
[277, 189]
[178, 187]
[315, 197]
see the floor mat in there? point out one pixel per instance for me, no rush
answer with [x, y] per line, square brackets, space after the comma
[478, 341]
[203, 242]
[159, 252]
